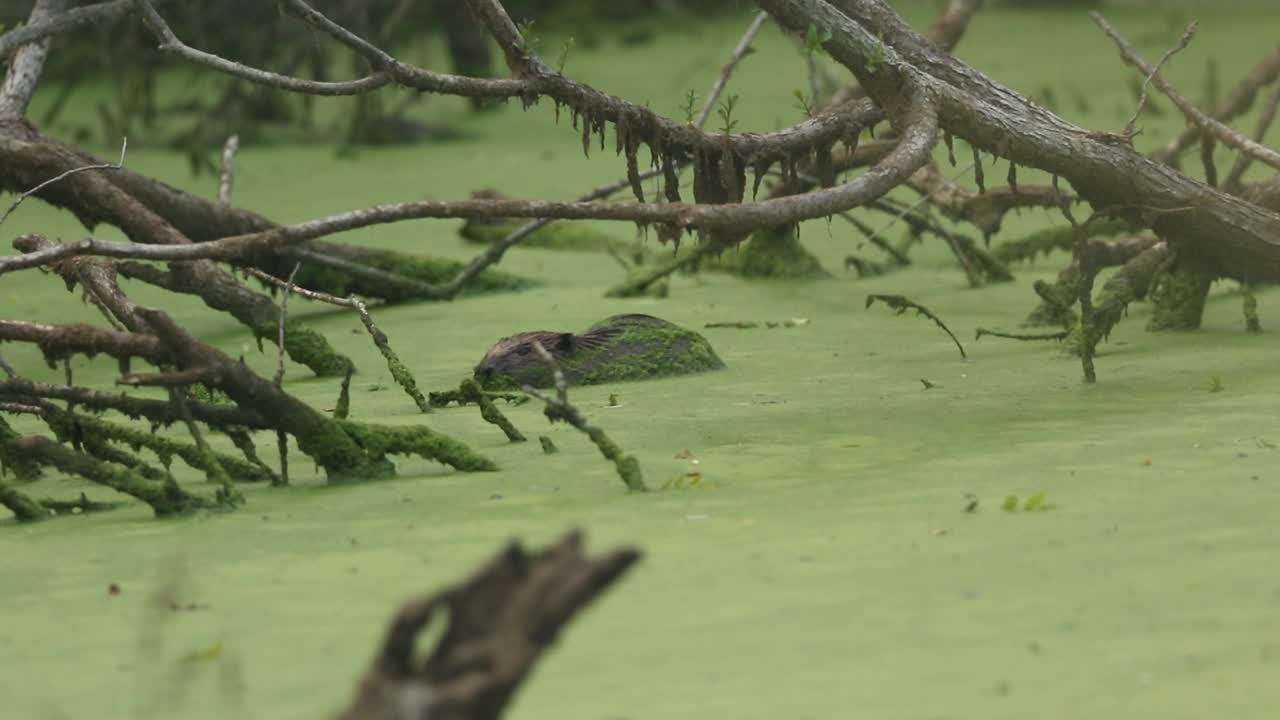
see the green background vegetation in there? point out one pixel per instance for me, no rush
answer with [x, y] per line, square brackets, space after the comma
[827, 567]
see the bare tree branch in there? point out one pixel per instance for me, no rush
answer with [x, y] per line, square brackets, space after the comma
[124, 147]
[63, 23]
[1237, 102]
[594, 106]
[1220, 131]
[170, 43]
[722, 80]
[24, 70]
[1268, 116]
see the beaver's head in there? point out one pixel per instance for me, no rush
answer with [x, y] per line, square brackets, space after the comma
[514, 362]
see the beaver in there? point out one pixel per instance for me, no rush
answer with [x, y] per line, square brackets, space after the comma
[616, 349]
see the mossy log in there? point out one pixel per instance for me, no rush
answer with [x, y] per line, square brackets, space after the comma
[24, 508]
[165, 498]
[556, 236]
[22, 469]
[95, 434]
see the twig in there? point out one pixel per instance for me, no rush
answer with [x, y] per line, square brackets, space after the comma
[343, 407]
[228, 494]
[1223, 133]
[399, 372]
[741, 50]
[228, 173]
[124, 147]
[901, 304]
[924, 199]
[1129, 127]
[1059, 335]
[1237, 102]
[156, 411]
[284, 319]
[1268, 116]
[170, 43]
[391, 280]
[559, 408]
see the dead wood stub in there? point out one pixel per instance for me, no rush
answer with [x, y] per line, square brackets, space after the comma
[501, 621]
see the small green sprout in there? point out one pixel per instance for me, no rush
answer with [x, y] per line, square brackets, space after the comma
[525, 27]
[690, 106]
[565, 47]
[803, 103]
[725, 111]
[814, 38]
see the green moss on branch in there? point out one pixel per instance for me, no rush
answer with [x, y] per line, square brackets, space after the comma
[165, 498]
[469, 391]
[26, 509]
[382, 440]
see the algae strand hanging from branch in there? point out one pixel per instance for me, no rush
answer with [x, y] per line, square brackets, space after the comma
[901, 304]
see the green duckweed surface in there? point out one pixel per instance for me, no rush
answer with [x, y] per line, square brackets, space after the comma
[826, 567]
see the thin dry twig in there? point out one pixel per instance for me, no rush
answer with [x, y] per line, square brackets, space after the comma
[124, 147]
[1130, 126]
[741, 50]
[1224, 134]
[1268, 116]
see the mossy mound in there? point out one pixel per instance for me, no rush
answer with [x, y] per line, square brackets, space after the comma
[556, 236]
[771, 253]
[622, 348]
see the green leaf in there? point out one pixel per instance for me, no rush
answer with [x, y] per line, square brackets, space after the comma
[1010, 503]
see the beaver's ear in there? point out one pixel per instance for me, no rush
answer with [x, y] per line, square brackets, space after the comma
[566, 342]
